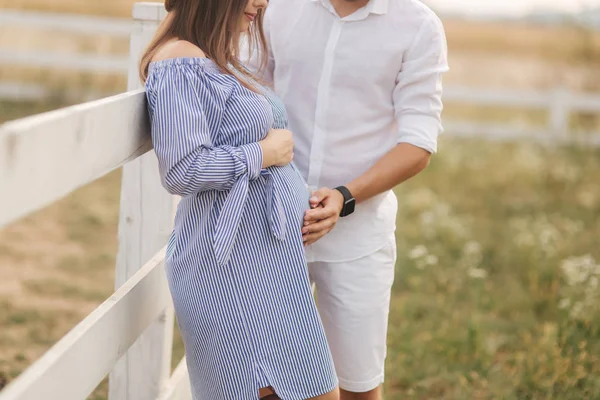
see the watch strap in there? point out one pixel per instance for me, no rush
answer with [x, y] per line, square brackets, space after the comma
[349, 201]
[345, 192]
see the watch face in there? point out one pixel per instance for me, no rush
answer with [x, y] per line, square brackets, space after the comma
[348, 207]
[351, 205]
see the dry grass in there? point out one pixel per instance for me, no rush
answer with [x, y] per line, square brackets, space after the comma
[512, 55]
[109, 8]
[57, 267]
[481, 54]
[498, 273]
[564, 44]
[496, 291]
[483, 306]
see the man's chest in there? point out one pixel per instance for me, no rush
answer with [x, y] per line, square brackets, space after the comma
[312, 43]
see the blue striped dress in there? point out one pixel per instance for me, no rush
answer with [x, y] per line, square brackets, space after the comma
[235, 262]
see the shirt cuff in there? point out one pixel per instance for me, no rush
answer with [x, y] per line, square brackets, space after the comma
[254, 159]
[420, 131]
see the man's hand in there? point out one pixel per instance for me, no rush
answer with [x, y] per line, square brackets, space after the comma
[326, 206]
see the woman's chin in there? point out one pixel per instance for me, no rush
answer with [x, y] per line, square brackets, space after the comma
[245, 27]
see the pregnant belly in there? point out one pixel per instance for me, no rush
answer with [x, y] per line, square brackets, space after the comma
[293, 191]
[275, 207]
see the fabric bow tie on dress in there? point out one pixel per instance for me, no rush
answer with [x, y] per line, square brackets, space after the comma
[231, 214]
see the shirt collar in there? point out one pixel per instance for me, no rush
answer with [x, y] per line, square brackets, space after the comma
[379, 7]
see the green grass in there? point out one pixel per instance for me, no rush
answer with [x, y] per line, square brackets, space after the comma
[482, 236]
[496, 293]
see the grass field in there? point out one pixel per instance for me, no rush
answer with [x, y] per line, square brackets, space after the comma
[568, 43]
[488, 54]
[496, 293]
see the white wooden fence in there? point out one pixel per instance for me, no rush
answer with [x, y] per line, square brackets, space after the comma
[45, 157]
[74, 24]
[559, 104]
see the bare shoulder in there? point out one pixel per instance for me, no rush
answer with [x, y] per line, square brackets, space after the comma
[178, 49]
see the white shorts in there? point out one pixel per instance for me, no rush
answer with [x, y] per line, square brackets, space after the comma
[354, 302]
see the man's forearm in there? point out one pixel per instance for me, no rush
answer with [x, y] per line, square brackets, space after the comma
[400, 164]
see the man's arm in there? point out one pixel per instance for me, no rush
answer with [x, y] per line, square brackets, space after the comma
[397, 166]
[418, 105]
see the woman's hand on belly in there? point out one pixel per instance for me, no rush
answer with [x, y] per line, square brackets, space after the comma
[277, 148]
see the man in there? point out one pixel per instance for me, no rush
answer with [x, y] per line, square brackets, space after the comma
[361, 81]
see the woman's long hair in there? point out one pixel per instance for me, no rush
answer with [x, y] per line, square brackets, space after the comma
[213, 26]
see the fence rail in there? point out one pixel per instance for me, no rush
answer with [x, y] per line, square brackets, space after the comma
[560, 104]
[45, 157]
[38, 154]
[82, 24]
[73, 368]
[74, 24]
[74, 62]
[525, 99]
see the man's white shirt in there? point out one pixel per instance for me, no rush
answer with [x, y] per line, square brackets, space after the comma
[354, 88]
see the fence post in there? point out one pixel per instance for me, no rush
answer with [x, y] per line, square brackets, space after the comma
[145, 223]
[560, 113]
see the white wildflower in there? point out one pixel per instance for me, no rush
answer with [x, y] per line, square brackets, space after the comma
[427, 218]
[578, 270]
[478, 273]
[563, 304]
[548, 237]
[418, 252]
[431, 260]
[576, 310]
[420, 199]
[472, 255]
[472, 247]
[457, 227]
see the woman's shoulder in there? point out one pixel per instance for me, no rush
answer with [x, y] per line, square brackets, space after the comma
[178, 49]
[179, 55]
[178, 65]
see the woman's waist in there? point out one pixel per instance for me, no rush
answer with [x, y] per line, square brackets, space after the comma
[285, 182]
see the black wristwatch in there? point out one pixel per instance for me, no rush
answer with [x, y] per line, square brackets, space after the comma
[349, 201]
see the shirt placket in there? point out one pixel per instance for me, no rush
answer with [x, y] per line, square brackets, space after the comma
[317, 151]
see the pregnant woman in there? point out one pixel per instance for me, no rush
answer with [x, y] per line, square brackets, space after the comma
[235, 262]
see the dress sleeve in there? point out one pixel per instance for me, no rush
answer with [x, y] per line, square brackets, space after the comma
[186, 109]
